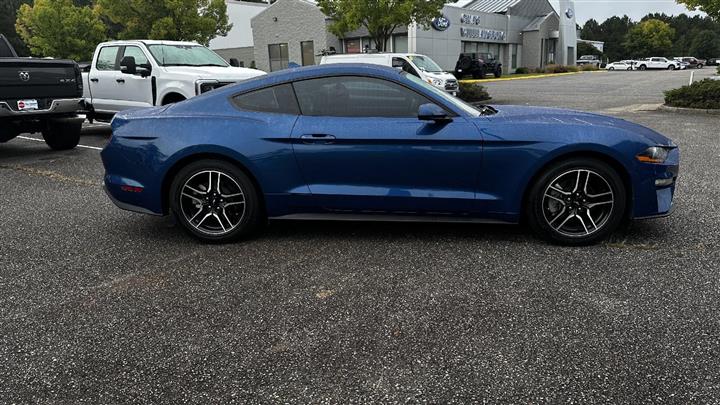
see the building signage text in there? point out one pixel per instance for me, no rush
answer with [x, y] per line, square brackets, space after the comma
[478, 33]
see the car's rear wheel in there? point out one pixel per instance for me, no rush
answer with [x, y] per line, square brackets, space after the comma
[62, 135]
[611, 68]
[576, 202]
[671, 67]
[643, 67]
[215, 201]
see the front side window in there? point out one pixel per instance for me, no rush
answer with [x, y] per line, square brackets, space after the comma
[277, 99]
[278, 56]
[137, 53]
[351, 96]
[185, 55]
[107, 58]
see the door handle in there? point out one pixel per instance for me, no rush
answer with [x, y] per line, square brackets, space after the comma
[94, 80]
[120, 80]
[318, 139]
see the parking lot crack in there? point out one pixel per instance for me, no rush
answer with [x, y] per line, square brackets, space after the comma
[51, 175]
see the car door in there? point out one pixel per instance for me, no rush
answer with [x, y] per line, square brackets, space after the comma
[104, 76]
[362, 149]
[134, 91]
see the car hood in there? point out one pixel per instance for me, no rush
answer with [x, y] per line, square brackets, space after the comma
[440, 75]
[544, 115]
[214, 72]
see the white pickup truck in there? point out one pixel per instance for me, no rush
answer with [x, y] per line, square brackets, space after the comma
[132, 74]
[658, 63]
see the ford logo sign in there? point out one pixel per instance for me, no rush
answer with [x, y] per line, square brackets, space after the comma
[440, 23]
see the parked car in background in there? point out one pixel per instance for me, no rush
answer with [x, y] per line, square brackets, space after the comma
[477, 65]
[421, 66]
[713, 62]
[367, 142]
[622, 65]
[40, 95]
[132, 74]
[692, 63]
[658, 63]
[589, 60]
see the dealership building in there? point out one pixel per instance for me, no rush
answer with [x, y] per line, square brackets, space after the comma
[520, 33]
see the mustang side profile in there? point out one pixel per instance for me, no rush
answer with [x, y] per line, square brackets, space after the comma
[366, 142]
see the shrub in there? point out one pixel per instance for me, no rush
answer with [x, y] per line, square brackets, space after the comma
[538, 70]
[588, 68]
[522, 71]
[704, 94]
[473, 92]
[555, 69]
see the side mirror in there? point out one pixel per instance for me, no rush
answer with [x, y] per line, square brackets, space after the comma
[433, 112]
[234, 62]
[128, 66]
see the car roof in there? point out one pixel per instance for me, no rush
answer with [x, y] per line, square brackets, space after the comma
[149, 42]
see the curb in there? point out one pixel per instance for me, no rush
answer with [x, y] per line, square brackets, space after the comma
[681, 110]
[538, 76]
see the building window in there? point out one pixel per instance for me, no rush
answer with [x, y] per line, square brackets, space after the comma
[400, 43]
[278, 56]
[514, 50]
[307, 49]
[353, 45]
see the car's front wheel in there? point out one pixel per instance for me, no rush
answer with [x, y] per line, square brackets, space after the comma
[215, 201]
[576, 202]
[671, 67]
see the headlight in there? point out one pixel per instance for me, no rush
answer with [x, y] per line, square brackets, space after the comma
[436, 82]
[654, 154]
[203, 86]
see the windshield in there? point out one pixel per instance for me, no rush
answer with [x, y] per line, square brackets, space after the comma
[445, 96]
[425, 64]
[185, 55]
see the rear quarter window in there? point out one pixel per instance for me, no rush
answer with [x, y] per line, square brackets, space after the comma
[277, 99]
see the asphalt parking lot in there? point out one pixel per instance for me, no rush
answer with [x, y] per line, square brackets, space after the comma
[99, 305]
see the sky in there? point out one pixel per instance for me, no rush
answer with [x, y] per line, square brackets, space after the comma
[600, 10]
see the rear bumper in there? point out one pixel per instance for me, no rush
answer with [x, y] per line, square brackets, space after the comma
[126, 206]
[59, 106]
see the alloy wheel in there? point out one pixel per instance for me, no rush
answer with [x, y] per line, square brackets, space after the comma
[578, 203]
[212, 202]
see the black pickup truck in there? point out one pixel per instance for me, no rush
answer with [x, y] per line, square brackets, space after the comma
[477, 65]
[39, 95]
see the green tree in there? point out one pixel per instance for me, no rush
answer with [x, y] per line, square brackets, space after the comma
[705, 45]
[58, 28]
[8, 14]
[178, 20]
[583, 48]
[710, 7]
[650, 38]
[380, 17]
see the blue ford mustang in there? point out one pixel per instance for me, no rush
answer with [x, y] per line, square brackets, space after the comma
[361, 142]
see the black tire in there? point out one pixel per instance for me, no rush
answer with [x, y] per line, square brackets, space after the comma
[575, 212]
[498, 73]
[7, 131]
[611, 68]
[671, 67]
[643, 67]
[62, 135]
[465, 63]
[700, 66]
[248, 221]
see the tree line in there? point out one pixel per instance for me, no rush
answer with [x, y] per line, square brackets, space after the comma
[654, 35]
[73, 28]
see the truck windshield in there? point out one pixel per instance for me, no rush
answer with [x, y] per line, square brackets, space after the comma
[185, 55]
[424, 63]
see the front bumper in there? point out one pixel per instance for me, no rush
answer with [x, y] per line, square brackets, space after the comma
[59, 106]
[653, 200]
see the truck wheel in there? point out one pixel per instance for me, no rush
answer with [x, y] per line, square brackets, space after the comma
[498, 73]
[671, 67]
[59, 135]
[643, 67]
[7, 132]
